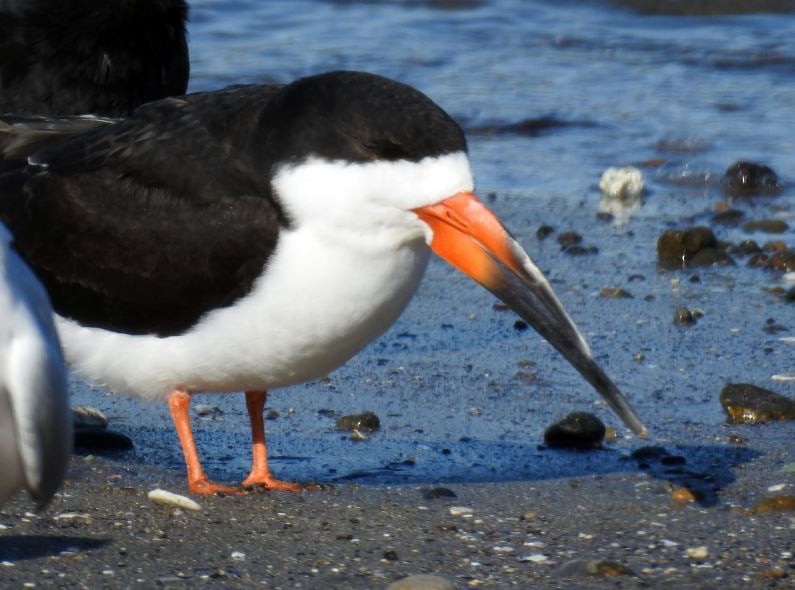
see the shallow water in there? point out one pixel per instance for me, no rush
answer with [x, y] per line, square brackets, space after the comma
[624, 87]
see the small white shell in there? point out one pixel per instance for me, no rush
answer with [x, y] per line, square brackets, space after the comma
[171, 499]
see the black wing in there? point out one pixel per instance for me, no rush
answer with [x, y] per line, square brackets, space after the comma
[62, 57]
[144, 225]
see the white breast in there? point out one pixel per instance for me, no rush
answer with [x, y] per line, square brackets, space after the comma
[322, 299]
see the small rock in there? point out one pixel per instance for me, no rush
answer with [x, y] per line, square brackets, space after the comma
[782, 261]
[206, 411]
[769, 226]
[711, 257]
[238, 556]
[390, 555]
[649, 453]
[436, 493]
[728, 217]
[568, 239]
[746, 247]
[682, 495]
[749, 404]
[601, 568]
[747, 179]
[774, 504]
[676, 247]
[615, 293]
[459, 510]
[86, 417]
[73, 517]
[272, 415]
[686, 317]
[364, 422]
[544, 231]
[700, 552]
[578, 430]
[421, 582]
[775, 246]
[165, 498]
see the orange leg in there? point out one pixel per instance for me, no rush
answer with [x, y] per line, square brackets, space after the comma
[260, 473]
[179, 404]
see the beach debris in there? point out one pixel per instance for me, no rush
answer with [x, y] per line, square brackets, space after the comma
[165, 498]
[460, 510]
[622, 192]
[698, 553]
[749, 404]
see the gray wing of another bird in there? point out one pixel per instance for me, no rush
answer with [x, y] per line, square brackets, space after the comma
[36, 422]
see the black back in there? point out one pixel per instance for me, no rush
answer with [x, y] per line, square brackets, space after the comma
[64, 57]
[145, 224]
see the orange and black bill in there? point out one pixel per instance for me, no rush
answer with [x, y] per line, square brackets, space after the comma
[471, 238]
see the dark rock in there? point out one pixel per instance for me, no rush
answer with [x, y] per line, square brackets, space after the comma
[728, 217]
[775, 246]
[436, 493]
[783, 261]
[711, 257]
[773, 327]
[676, 247]
[748, 179]
[769, 226]
[99, 440]
[745, 248]
[750, 404]
[390, 555]
[569, 238]
[774, 504]
[672, 460]
[520, 325]
[600, 568]
[366, 421]
[758, 260]
[578, 250]
[578, 430]
[544, 231]
[789, 296]
[615, 293]
[685, 317]
[272, 415]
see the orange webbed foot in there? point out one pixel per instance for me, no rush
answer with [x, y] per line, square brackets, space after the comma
[205, 487]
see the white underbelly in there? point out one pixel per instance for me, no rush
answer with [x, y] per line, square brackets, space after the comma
[318, 304]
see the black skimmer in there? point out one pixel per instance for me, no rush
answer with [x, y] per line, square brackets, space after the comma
[79, 56]
[258, 237]
[35, 421]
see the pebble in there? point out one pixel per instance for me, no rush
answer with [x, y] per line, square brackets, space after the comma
[701, 552]
[749, 404]
[459, 510]
[364, 422]
[165, 498]
[357, 436]
[578, 430]
[677, 248]
[238, 556]
[533, 558]
[594, 567]
[544, 231]
[683, 495]
[208, 412]
[769, 226]
[421, 582]
[777, 487]
[774, 504]
[746, 179]
[615, 293]
[87, 417]
[686, 317]
[568, 239]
